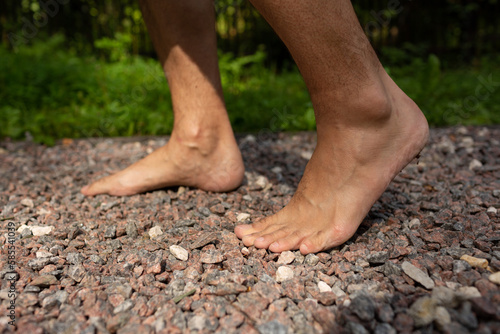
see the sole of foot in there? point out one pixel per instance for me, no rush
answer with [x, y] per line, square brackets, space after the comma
[216, 167]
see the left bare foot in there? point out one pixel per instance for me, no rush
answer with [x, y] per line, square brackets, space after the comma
[349, 170]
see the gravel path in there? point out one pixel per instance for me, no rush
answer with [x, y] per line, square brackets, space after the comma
[168, 261]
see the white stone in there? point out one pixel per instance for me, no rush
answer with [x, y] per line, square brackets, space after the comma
[241, 217]
[22, 228]
[475, 164]
[467, 142]
[245, 251]
[323, 287]
[306, 155]
[284, 273]
[414, 223]
[40, 230]
[495, 278]
[453, 285]
[42, 211]
[155, 232]
[276, 169]
[179, 252]
[417, 275]
[462, 130]
[492, 209]
[28, 202]
[261, 181]
[468, 292]
[250, 138]
[43, 253]
[441, 317]
[286, 257]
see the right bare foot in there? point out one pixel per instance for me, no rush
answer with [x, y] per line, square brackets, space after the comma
[210, 162]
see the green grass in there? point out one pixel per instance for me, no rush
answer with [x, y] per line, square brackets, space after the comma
[52, 93]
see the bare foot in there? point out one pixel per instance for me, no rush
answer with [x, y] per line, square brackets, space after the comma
[211, 163]
[350, 169]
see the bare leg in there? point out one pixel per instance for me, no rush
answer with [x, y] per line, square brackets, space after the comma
[368, 129]
[202, 151]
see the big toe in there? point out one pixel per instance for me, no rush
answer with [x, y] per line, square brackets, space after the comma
[99, 187]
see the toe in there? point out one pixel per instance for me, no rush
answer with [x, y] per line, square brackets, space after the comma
[290, 242]
[96, 188]
[259, 226]
[313, 244]
[267, 239]
[243, 230]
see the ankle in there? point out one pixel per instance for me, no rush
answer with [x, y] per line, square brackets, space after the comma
[205, 138]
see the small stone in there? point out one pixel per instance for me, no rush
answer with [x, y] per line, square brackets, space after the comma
[356, 328]
[495, 278]
[28, 202]
[467, 317]
[323, 287]
[460, 266]
[124, 306]
[414, 223]
[212, 256]
[468, 292]
[45, 281]
[384, 329]
[38, 263]
[76, 272]
[276, 170]
[364, 307]
[492, 209]
[110, 232]
[338, 292]
[74, 258]
[241, 217]
[245, 251]
[261, 182]
[131, 229]
[41, 230]
[385, 313]
[306, 154]
[441, 317]
[56, 299]
[284, 273]
[483, 307]
[179, 252]
[272, 327]
[422, 311]
[417, 275]
[378, 257]
[475, 262]
[96, 259]
[43, 253]
[390, 268]
[445, 297]
[155, 232]
[311, 259]
[286, 257]
[475, 164]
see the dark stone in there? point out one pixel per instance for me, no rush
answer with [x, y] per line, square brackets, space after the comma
[364, 307]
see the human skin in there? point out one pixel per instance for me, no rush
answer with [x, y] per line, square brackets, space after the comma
[367, 128]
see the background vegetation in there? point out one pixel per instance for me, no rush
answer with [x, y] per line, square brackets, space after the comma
[80, 68]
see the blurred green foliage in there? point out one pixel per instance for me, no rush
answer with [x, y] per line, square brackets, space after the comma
[85, 68]
[53, 93]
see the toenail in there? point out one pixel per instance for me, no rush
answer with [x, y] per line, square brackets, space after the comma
[244, 227]
[261, 239]
[274, 244]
